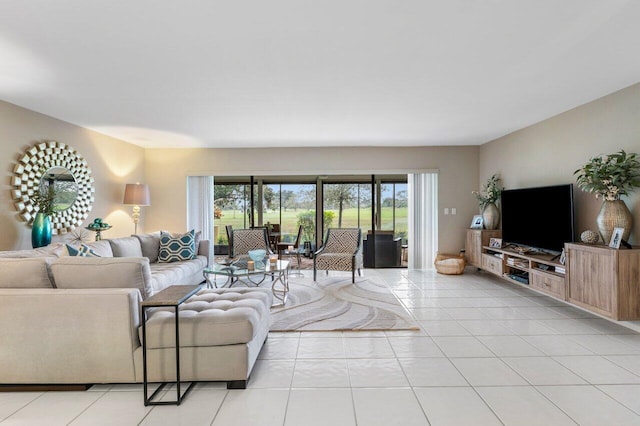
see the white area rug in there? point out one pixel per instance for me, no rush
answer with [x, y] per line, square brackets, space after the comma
[334, 304]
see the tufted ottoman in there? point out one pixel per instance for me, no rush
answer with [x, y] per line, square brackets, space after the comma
[221, 334]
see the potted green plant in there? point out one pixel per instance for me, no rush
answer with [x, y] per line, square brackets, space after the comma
[487, 197]
[610, 177]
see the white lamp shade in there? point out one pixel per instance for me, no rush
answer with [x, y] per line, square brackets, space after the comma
[137, 194]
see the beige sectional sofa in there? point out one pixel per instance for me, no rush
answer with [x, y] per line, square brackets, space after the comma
[76, 320]
[129, 262]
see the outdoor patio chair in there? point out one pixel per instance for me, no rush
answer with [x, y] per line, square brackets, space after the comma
[342, 251]
[248, 239]
[273, 232]
[283, 247]
[229, 230]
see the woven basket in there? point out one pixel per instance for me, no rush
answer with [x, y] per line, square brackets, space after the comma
[450, 264]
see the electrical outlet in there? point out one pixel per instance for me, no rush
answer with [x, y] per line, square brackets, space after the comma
[446, 211]
[453, 210]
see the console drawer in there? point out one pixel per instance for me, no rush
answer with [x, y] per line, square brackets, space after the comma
[548, 283]
[492, 264]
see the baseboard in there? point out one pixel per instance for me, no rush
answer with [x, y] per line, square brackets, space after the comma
[45, 388]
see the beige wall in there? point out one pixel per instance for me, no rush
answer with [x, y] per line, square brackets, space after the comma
[115, 163]
[543, 154]
[550, 151]
[112, 162]
[167, 171]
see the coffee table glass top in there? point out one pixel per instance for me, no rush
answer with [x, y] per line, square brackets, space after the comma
[238, 273]
[240, 268]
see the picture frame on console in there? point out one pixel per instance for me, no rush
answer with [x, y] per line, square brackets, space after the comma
[495, 242]
[616, 238]
[477, 222]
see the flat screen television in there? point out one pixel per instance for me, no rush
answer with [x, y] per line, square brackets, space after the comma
[540, 217]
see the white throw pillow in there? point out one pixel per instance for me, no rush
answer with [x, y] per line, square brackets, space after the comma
[126, 247]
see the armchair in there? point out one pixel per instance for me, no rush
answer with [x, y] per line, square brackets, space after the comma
[243, 240]
[342, 251]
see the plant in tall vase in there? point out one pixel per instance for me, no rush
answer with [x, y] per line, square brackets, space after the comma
[610, 177]
[487, 198]
[41, 229]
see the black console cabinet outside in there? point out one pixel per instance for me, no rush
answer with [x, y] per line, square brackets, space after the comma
[388, 251]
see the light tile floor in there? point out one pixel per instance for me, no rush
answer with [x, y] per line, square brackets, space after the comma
[489, 353]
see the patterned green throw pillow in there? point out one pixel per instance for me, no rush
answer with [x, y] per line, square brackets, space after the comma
[177, 248]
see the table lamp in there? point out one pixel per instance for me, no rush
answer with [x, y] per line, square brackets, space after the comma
[136, 195]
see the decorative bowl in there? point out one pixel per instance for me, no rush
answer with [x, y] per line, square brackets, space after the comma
[589, 237]
[258, 257]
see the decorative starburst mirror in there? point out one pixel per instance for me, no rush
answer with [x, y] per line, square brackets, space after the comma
[54, 166]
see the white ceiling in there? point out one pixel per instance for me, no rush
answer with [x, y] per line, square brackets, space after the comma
[251, 73]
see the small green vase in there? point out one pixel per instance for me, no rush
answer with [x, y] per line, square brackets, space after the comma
[41, 231]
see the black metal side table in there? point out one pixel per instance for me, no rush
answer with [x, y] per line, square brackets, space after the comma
[172, 296]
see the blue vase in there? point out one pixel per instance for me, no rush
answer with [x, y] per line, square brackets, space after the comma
[41, 231]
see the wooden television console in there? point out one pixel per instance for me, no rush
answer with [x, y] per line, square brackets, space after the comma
[597, 278]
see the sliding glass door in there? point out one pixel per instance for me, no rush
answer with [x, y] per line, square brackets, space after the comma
[347, 205]
[232, 206]
[375, 204]
[290, 205]
[393, 210]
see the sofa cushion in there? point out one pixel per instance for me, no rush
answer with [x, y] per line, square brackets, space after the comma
[212, 317]
[188, 272]
[126, 247]
[102, 248]
[103, 272]
[52, 250]
[177, 248]
[70, 336]
[24, 273]
[83, 250]
[150, 245]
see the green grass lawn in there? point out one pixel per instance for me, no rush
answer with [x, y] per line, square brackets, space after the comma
[290, 221]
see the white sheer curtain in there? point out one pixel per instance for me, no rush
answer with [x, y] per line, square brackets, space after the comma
[200, 205]
[423, 219]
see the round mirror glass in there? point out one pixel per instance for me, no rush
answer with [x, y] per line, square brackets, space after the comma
[62, 184]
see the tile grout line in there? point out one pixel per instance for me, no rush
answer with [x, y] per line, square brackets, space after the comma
[24, 406]
[90, 405]
[404, 373]
[295, 363]
[226, 394]
[619, 402]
